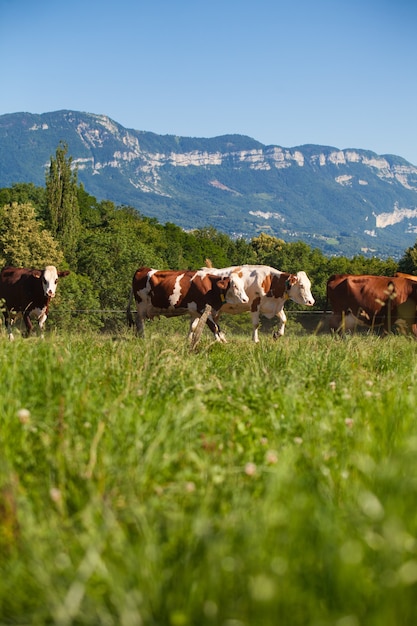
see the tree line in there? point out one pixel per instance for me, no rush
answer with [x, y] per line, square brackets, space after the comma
[103, 244]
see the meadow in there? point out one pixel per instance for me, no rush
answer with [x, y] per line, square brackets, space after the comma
[236, 485]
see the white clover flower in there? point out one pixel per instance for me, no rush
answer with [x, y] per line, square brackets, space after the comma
[24, 416]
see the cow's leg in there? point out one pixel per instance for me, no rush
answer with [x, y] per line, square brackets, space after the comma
[215, 329]
[281, 328]
[140, 329]
[212, 324]
[255, 325]
[41, 321]
[140, 316]
[28, 323]
[193, 326]
[335, 322]
[8, 322]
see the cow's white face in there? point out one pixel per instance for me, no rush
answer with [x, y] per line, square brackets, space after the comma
[49, 280]
[300, 290]
[236, 293]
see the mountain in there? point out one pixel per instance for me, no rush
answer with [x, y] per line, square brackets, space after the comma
[344, 202]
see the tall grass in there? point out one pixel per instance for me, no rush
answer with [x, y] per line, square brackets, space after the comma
[239, 485]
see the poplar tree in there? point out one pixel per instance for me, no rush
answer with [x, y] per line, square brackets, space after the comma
[63, 212]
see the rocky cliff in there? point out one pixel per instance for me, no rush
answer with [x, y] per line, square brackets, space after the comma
[343, 201]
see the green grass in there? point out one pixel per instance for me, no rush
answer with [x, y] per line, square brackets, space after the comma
[239, 485]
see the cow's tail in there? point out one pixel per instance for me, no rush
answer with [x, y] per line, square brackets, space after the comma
[129, 316]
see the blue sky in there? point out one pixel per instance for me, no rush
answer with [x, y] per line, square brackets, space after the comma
[332, 72]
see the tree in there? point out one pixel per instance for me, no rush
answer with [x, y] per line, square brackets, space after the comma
[23, 241]
[62, 203]
[408, 263]
[111, 253]
[23, 193]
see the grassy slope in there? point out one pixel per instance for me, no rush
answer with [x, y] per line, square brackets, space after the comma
[239, 485]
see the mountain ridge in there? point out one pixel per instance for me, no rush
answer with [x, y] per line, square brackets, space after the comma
[343, 201]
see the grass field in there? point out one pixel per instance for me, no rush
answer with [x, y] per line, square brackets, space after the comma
[238, 485]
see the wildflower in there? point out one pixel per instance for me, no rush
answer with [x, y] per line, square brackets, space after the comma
[349, 422]
[332, 385]
[24, 416]
[190, 486]
[272, 457]
[250, 469]
[55, 494]
[298, 440]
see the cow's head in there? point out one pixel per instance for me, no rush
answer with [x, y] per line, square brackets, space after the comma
[236, 293]
[298, 288]
[49, 278]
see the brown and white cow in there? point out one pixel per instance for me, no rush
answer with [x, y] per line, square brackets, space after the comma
[29, 292]
[368, 300]
[267, 289]
[178, 292]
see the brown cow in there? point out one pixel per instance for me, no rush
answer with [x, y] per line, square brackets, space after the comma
[367, 300]
[406, 310]
[178, 292]
[29, 292]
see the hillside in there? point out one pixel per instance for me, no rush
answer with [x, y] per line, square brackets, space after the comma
[342, 201]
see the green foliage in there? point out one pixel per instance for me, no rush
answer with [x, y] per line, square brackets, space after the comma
[408, 263]
[62, 203]
[23, 241]
[110, 254]
[24, 193]
[142, 484]
[77, 305]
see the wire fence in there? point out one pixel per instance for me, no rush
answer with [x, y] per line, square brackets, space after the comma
[115, 320]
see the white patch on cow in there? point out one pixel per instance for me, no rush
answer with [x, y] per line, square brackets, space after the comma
[41, 316]
[176, 294]
[50, 280]
[300, 291]
[236, 293]
[254, 277]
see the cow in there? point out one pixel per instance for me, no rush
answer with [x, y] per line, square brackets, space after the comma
[402, 275]
[414, 279]
[371, 301]
[178, 292]
[29, 292]
[267, 289]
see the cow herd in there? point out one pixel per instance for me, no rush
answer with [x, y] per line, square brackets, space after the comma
[256, 288]
[205, 294]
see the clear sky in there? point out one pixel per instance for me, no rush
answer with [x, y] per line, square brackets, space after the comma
[340, 73]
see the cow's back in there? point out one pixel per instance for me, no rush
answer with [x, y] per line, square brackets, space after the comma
[19, 288]
[257, 282]
[169, 288]
[369, 297]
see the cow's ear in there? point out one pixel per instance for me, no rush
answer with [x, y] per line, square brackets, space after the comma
[292, 279]
[63, 273]
[36, 273]
[223, 283]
